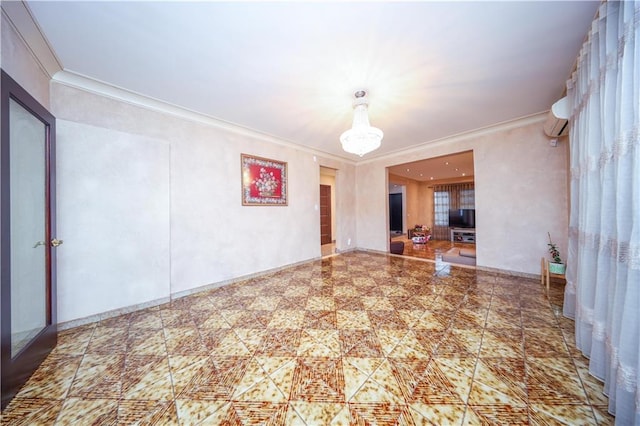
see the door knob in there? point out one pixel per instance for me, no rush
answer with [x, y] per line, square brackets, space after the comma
[39, 243]
[56, 242]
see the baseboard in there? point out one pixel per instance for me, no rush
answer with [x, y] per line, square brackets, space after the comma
[177, 295]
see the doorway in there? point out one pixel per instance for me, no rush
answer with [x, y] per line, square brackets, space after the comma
[327, 210]
[395, 213]
[425, 205]
[27, 223]
[325, 214]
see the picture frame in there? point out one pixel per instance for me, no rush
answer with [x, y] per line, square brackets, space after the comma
[264, 181]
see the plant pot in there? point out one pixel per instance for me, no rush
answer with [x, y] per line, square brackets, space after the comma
[557, 268]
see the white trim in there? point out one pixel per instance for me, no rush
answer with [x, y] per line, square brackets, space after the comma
[88, 84]
[20, 18]
[177, 295]
[494, 128]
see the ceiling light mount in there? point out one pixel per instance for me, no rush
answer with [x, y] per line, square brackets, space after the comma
[361, 138]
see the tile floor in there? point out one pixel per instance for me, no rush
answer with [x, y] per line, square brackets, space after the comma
[354, 339]
[429, 250]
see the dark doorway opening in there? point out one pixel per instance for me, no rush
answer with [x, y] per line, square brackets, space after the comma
[395, 212]
[325, 214]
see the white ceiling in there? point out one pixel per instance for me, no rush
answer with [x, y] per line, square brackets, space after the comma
[289, 69]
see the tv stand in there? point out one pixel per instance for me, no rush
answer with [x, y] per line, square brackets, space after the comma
[463, 235]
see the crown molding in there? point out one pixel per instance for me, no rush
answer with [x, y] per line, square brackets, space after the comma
[494, 128]
[87, 84]
[21, 19]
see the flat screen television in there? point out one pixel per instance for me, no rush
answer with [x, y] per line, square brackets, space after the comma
[462, 218]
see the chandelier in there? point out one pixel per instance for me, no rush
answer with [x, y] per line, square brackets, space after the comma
[361, 138]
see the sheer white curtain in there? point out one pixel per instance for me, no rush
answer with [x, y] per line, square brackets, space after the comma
[603, 268]
[447, 197]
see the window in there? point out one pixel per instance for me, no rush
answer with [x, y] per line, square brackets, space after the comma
[441, 208]
[448, 197]
[467, 199]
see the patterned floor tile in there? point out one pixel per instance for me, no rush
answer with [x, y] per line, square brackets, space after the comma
[357, 338]
[385, 377]
[262, 391]
[77, 411]
[544, 342]
[287, 319]
[316, 319]
[279, 343]
[318, 379]
[319, 343]
[108, 340]
[99, 376]
[74, 341]
[146, 341]
[211, 320]
[54, 377]
[431, 320]
[184, 341]
[497, 414]
[187, 371]
[372, 392]
[438, 387]
[380, 414]
[265, 303]
[145, 320]
[544, 414]
[353, 320]
[195, 412]
[461, 342]
[465, 318]
[360, 343]
[212, 338]
[505, 343]
[317, 413]
[147, 377]
[148, 412]
[593, 386]
[31, 411]
[500, 318]
[438, 414]
[603, 418]
[499, 381]
[554, 381]
[177, 318]
[409, 347]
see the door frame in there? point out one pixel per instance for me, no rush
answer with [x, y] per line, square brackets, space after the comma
[15, 371]
[330, 214]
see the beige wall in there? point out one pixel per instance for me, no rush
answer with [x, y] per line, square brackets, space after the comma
[521, 193]
[425, 205]
[149, 205]
[17, 61]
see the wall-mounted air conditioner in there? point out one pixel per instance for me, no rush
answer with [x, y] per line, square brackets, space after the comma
[557, 123]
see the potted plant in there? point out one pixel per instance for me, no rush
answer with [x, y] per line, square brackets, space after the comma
[556, 266]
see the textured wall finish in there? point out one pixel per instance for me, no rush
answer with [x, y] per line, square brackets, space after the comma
[196, 232]
[520, 184]
[21, 65]
[113, 214]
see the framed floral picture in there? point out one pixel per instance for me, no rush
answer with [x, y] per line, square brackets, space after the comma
[264, 181]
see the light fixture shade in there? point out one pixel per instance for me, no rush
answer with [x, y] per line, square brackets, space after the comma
[361, 138]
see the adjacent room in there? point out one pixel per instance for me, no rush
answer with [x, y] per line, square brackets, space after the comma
[432, 205]
[319, 213]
